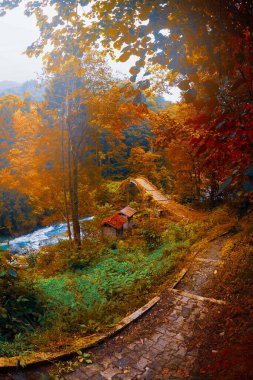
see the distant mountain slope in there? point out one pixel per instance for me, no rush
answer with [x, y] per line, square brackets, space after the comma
[6, 84]
[32, 86]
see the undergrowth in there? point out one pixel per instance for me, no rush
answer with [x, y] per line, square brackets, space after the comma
[99, 296]
[87, 291]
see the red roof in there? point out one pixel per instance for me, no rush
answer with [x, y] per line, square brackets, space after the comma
[116, 221]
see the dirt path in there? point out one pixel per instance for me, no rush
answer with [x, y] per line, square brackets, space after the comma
[160, 345]
[176, 210]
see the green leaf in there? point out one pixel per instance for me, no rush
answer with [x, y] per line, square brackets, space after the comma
[12, 273]
[249, 171]
[3, 273]
[3, 312]
[248, 186]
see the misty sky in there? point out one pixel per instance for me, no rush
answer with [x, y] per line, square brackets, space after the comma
[16, 33]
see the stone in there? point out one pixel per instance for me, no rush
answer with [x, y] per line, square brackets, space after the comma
[181, 351]
[122, 363]
[110, 372]
[155, 337]
[179, 336]
[142, 363]
[162, 328]
[149, 374]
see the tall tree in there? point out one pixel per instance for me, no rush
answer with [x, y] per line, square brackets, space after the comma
[204, 48]
[72, 87]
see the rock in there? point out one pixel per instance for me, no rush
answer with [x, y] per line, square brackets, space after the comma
[16, 250]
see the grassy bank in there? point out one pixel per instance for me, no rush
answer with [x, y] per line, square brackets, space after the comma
[82, 292]
[88, 291]
[101, 295]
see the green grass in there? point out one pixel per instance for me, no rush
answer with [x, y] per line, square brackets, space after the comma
[105, 291]
[86, 301]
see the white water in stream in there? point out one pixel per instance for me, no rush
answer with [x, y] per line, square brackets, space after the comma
[40, 238]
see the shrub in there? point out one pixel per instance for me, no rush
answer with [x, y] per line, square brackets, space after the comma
[166, 252]
[174, 233]
[21, 308]
[150, 231]
[89, 289]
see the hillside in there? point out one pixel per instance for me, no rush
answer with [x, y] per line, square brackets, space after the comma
[32, 86]
[6, 84]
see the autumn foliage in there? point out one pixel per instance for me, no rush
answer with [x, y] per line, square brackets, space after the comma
[204, 50]
[73, 153]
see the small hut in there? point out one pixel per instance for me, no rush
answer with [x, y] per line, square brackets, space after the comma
[128, 213]
[113, 226]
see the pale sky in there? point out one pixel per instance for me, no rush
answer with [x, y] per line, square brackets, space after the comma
[17, 32]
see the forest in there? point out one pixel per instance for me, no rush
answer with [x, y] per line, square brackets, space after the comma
[85, 142]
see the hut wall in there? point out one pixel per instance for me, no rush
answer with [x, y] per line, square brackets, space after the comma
[109, 231]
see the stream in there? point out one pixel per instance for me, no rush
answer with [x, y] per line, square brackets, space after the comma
[39, 238]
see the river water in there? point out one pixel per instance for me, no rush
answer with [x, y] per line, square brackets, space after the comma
[39, 238]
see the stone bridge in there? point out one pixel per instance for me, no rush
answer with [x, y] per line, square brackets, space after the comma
[146, 187]
[175, 210]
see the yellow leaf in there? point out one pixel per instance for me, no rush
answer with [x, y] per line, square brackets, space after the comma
[124, 57]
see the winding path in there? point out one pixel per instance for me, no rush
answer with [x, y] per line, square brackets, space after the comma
[162, 344]
[179, 211]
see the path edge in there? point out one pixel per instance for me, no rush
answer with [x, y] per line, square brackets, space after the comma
[81, 344]
[95, 339]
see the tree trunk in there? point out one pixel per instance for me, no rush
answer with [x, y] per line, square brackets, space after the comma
[213, 190]
[75, 206]
[198, 181]
[73, 188]
[72, 159]
[66, 208]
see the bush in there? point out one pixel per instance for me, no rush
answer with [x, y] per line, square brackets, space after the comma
[21, 309]
[166, 252]
[90, 289]
[65, 257]
[150, 231]
[174, 233]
